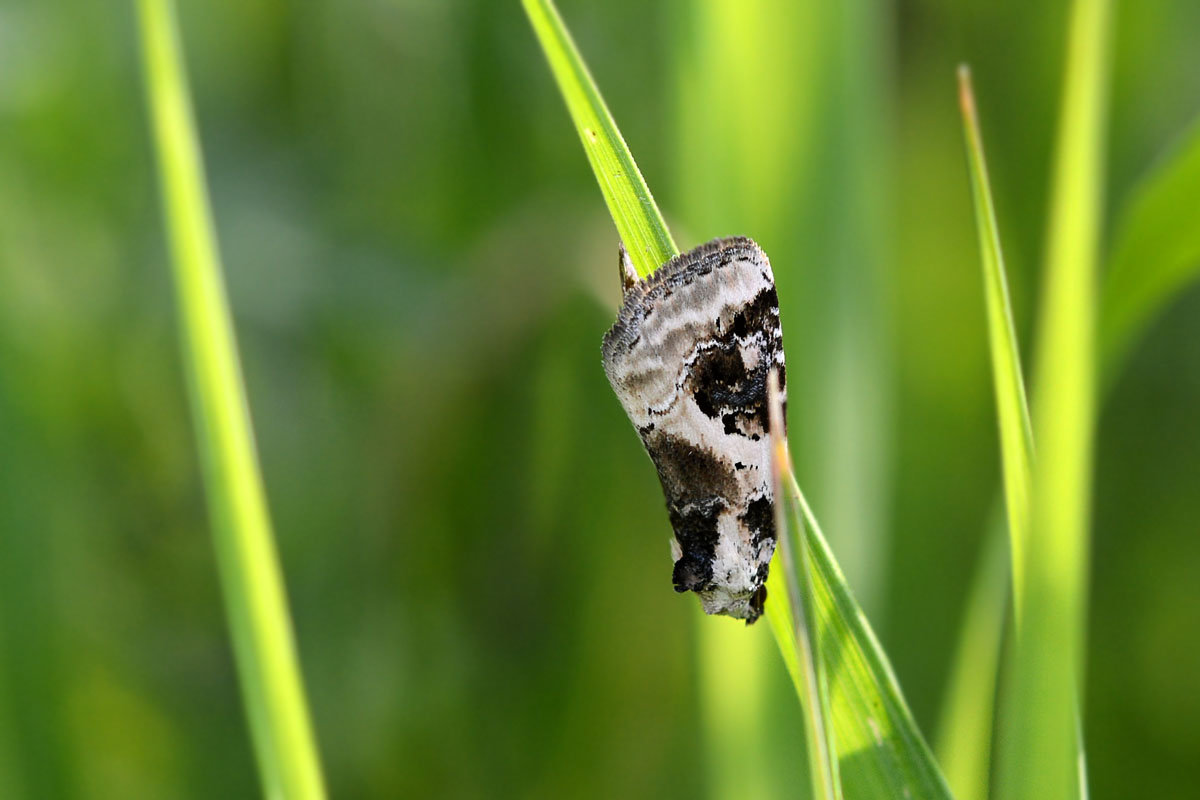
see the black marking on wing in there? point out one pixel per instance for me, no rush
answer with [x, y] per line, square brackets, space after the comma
[696, 530]
[759, 519]
[719, 381]
[698, 486]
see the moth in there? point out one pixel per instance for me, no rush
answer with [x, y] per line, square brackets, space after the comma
[688, 358]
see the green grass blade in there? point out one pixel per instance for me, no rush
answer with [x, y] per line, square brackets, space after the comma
[1156, 255]
[881, 752]
[1042, 748]
[1012, 412]
[795, 620]
[1156, 251]
[802, 165]
[250, 575]
[735, 765]
[638, 220]
[840, 673]
[964, 732]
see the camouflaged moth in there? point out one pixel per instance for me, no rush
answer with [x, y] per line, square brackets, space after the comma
[688, 358]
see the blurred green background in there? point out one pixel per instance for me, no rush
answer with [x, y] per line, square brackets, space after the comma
[421, 269]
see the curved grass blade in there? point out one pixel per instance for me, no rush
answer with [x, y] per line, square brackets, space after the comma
[250, 575]
[1042, 747]
[881, 752]
[638, 220]
[794, 623]
[1156, 252]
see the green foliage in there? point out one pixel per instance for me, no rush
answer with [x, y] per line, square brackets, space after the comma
[1041, 754]
[881, 751]
[1155, 257]
[794, 620]
[763, 172]
[775, 140]
[964, 732]
[254, 592]
[1012, 413]
[630, 203]
[1042, 751]
[965, 735]
[474, 542]
[1156, 253]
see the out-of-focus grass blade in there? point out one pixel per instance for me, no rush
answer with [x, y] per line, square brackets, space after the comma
[1041, 751]
[795, 621]
[881, 753]
[729, 656]
[1156, 255]
[250, 575]
[964, 733]
[742, 172]
[1156, 252]
[630, 203]
[802, 165]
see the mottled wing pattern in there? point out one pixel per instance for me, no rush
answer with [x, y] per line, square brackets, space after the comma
[688, 359]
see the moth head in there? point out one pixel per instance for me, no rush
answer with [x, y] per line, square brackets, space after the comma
[625, 270]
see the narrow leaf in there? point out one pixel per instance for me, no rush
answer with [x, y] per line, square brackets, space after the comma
[1042, 748]
[250, 575]
[1156, 253]
[964, 732]
[881, 752]
[798, 623]
[630, 203]
[1012, 413]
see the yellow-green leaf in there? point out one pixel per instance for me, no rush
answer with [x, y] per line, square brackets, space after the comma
[630, 203]
[252, 582]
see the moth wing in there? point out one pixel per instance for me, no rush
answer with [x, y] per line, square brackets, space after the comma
[688, 359]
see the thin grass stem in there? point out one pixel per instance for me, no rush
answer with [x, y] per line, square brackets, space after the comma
[251, 579]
